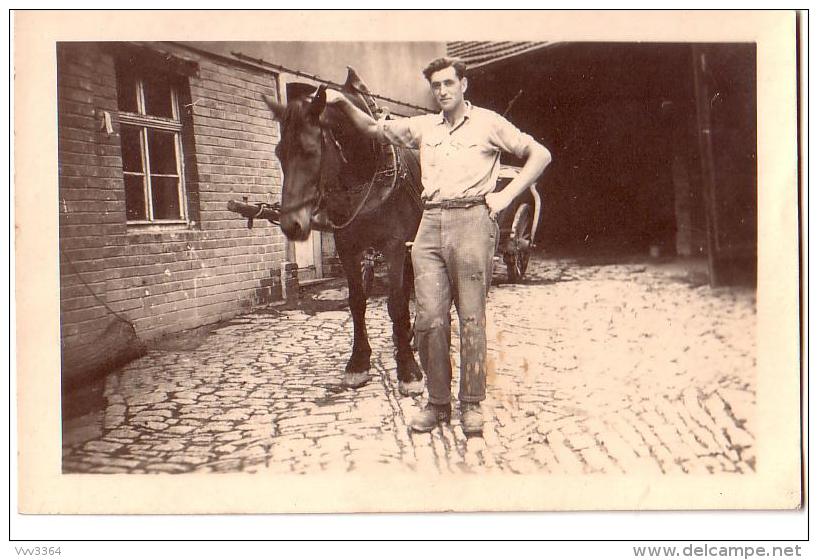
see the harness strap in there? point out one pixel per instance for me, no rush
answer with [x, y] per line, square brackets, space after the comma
[411, 181]
[364, 198]
[298, 206]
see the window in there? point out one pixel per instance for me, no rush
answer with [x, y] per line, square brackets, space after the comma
[152, 159]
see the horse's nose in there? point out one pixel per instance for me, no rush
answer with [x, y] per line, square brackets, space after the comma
[294, 227]
[294, 231]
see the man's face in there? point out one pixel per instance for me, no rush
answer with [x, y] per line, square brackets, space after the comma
[447, 88]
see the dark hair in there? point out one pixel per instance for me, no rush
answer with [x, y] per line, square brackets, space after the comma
[444, 62]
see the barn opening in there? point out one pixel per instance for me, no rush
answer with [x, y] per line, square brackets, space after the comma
[654, 145]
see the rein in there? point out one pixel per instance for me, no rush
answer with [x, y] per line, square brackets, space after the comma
[364, 198]
[299, 206]
[318, 198]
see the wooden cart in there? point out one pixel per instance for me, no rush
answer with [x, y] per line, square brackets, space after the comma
[518, 226]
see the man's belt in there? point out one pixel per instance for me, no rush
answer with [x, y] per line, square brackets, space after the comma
[467, 202]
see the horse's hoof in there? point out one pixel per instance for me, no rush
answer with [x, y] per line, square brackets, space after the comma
[410, 388]
[353, 380]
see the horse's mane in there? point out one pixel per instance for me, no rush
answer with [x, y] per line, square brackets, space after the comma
[294, 114]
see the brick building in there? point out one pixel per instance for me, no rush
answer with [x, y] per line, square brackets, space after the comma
[154, 139]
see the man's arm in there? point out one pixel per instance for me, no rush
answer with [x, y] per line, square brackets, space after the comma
[398, 132]
[537, 158]
[365, 124]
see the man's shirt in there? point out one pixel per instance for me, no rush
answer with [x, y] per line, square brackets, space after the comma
[461, 160]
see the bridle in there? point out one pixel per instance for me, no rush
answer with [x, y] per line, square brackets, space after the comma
[321, 189]
[318, 198]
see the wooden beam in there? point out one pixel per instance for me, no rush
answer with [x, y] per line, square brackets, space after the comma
[704, 124]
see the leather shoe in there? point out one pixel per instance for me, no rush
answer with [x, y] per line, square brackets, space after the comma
[431, 416]
[471, 418]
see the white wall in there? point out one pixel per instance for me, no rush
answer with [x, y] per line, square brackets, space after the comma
[388, 68]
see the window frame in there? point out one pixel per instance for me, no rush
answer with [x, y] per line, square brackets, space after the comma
[175, 125]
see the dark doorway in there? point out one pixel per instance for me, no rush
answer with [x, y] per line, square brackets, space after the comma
[624, 123]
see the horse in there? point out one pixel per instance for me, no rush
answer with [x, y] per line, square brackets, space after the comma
[334, 179]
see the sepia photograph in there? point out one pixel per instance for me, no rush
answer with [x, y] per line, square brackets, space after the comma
[499, 271]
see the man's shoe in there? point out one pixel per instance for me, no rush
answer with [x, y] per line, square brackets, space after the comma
[431, 416]
[471, 418]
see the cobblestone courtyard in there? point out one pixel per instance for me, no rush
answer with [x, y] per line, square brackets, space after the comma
[624, 368]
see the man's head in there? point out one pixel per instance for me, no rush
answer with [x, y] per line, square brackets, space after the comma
[446, 77]
[445, 62]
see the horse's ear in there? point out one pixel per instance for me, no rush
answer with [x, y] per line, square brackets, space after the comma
[277, 108]
[319, 102]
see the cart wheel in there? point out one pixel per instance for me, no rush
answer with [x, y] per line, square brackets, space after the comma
[519, 249]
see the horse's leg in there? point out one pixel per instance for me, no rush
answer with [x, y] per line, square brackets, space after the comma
[356, 373]
[410, 378]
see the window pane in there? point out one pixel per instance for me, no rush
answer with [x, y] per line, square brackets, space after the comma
[135, 208]
[165, 192]
[126, 88]
[131, 148]
[158, 101]
[162, 152]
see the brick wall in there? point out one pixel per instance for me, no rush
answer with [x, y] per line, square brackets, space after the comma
[164, 278]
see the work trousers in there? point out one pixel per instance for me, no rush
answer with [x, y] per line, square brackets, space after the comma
[452, 258]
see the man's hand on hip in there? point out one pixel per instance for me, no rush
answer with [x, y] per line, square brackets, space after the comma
[497, 202]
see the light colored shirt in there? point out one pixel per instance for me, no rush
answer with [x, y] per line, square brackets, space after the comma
[460, 160]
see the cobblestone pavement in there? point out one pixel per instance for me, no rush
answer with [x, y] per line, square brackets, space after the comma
[624, 368]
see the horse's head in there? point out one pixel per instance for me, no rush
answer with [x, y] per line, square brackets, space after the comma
[311, 156]
[308, 163]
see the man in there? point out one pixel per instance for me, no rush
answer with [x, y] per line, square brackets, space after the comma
[454, 248]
